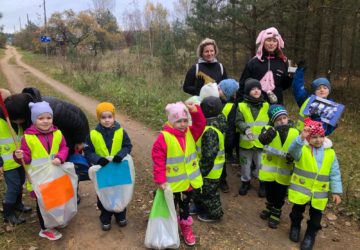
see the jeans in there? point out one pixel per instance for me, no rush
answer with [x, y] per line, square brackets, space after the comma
[15, 179]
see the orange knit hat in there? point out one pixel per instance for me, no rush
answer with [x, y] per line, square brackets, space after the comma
[103, 107]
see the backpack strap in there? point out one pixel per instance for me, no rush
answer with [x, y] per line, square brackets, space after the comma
[221, 68]
[197, 69]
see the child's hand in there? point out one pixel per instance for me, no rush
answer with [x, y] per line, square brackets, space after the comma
[19, 154]
[162, 186]
[191, 106]
[56, 162]
[305, 133]
[336, 198]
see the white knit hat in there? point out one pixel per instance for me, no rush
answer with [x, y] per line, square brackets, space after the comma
[210, 89]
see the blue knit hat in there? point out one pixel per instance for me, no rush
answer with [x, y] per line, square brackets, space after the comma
[320, 81]
[39, 108]
[275, 111]
[229, 87]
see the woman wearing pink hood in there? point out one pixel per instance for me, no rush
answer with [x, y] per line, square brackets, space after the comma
[269, 66]
[175, 162]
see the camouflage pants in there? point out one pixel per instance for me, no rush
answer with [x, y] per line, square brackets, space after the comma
[207, 198]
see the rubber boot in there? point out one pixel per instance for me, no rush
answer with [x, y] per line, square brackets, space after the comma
[262, 191]
[265, 214]
[309, 238]
[10, 215]
[19, 206]
[274, 219]
[294, 234]
[187, 232]
[245, 186]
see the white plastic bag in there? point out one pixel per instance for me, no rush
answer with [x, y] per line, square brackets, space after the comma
[56, 191]
[114, 183]
[162, 228]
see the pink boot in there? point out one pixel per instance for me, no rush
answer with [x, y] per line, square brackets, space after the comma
[187, 232]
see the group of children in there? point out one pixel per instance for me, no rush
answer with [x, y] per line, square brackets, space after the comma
[191, 158]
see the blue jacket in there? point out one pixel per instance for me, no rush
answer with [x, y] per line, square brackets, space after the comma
[335, 176]
[108, 135]
[301, 95]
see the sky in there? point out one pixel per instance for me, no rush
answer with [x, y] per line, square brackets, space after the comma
[15, 11]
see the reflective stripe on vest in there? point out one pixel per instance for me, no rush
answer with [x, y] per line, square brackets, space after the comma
[7, 145]
[39, 154]
[274, 166]
[309, 184]
[100, 146]
[300, 121]
[256, 125]
[219, 161]
[182, 169]
[226, 109]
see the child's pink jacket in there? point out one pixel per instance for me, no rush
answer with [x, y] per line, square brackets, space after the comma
[159, 150]
[46, 140]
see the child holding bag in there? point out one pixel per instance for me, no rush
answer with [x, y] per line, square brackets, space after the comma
[175, 162]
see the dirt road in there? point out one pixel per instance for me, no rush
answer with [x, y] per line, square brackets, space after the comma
[241, 227]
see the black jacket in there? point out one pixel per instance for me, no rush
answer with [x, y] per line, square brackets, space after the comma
[257, 69]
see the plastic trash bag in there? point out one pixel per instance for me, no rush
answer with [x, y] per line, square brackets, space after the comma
[55, 188]
[114, 183]
[162, 228]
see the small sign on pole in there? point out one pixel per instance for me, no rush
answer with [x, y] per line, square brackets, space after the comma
[45, 39]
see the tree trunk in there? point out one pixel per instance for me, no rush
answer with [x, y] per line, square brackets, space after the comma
[318, 30]
[352, 48]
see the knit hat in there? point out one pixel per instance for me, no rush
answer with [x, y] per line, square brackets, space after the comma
[275, 111]
[17, 106]
[210, 89]
[228, 87]
[211, 106]
[176, 111]
[269, 33]
[103, 107]
[320, 81]
[251, 83]
[38, 108]
[316, 127]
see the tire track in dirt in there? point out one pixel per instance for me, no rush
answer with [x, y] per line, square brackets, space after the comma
[241, 227]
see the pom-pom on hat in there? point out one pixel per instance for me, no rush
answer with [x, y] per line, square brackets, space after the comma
[103, 107]
[251, 83]
[275, 111]
[211, 106]
[176, 111]
[269, 33]
[320, 81]
[229, 87]
[316, 127]
[38, 108]
[210, 89]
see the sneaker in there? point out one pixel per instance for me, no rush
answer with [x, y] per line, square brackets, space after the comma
[193, 209]
[50, 234]
[105, 227]
[205, 218]
[122, 223]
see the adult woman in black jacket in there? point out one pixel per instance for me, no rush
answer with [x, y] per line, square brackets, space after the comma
[206, 70]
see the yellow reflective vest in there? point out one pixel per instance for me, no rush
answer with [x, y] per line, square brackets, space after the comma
[217, 169]
[7, 145]
[300, 121]
[274, 166]
[255, 124]
[182, 168]
[227, 108]
[39, 155]
[100, 146]
[307, 182]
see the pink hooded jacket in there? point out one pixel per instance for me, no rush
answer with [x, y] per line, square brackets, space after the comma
[159, 150]
[46, 140]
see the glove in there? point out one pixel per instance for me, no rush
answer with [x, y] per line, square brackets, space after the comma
[117, 159]
[289, 158]
[249, 134]
[267, 136]
[102, 161]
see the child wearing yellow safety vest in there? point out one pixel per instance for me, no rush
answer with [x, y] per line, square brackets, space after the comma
[175, 162]
[14, 173]
[42, 141]
[107, 142]
[316, 172]
[211, 151]
[276, 163]
[251, 117]
[227, 94]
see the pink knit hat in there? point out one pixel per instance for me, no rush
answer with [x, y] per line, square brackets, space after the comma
[269, 33]
[176, 111]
